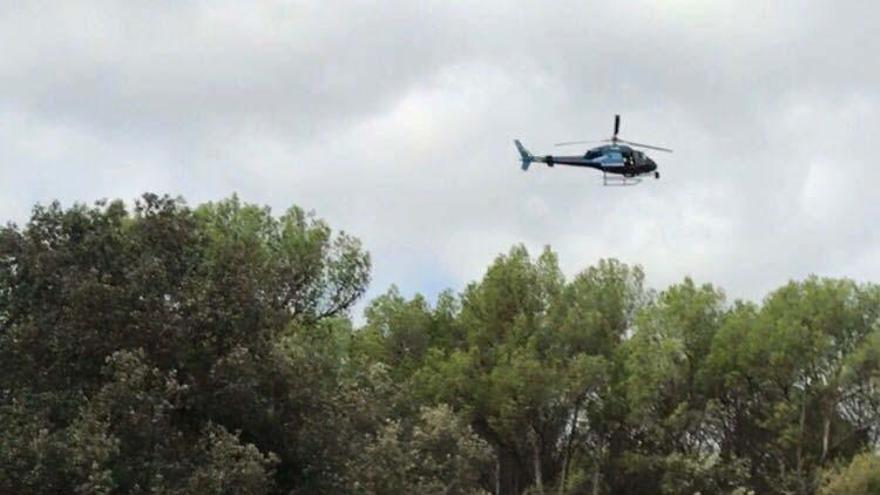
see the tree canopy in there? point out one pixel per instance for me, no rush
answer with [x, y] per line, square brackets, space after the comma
[164, 348]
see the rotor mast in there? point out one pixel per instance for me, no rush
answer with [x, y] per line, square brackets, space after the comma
[616, 129]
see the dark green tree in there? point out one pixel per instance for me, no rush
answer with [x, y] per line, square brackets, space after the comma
[128, 339]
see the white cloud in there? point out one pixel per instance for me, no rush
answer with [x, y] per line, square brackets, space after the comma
[394, 121]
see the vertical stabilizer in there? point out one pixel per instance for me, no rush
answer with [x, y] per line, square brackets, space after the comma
[527, 158]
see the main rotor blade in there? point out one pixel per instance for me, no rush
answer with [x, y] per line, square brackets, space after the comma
[616, 125]
[650, 147]
[569, 143]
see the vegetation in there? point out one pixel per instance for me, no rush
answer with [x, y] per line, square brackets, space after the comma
[170, 349]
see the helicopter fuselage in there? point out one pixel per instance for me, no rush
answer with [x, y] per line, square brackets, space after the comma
[612, 159]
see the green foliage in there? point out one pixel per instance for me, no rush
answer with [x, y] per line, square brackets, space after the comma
[33, 457]
[790, 380]
[535, 361]
[225, 466]
[437, 454]
[168, 349]
[165, 349]
[400, 332]
[860, 477]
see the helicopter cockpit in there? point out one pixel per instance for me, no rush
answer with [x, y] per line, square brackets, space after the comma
[638, 157]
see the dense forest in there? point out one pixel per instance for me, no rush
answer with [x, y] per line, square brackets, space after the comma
[164, 348]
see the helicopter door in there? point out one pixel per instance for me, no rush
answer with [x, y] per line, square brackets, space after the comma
[614, 159]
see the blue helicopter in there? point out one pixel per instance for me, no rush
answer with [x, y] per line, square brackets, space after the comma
[625, 165]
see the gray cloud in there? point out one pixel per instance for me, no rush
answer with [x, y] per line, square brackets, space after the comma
[394, 121]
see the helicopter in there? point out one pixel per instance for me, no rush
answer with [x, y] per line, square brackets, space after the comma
[620, 163]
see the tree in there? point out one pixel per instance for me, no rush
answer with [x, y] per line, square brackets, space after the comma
[127, 338]
[794, 402]
[673, 418]
[534, 362]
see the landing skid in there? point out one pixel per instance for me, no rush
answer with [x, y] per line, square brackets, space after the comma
[619, 180]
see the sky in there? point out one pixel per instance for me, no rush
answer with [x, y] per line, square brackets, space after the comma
[394, 122]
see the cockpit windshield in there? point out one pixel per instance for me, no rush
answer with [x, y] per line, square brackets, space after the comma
[638, 157]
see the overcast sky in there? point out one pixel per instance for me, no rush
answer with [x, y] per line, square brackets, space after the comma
[394, 121]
